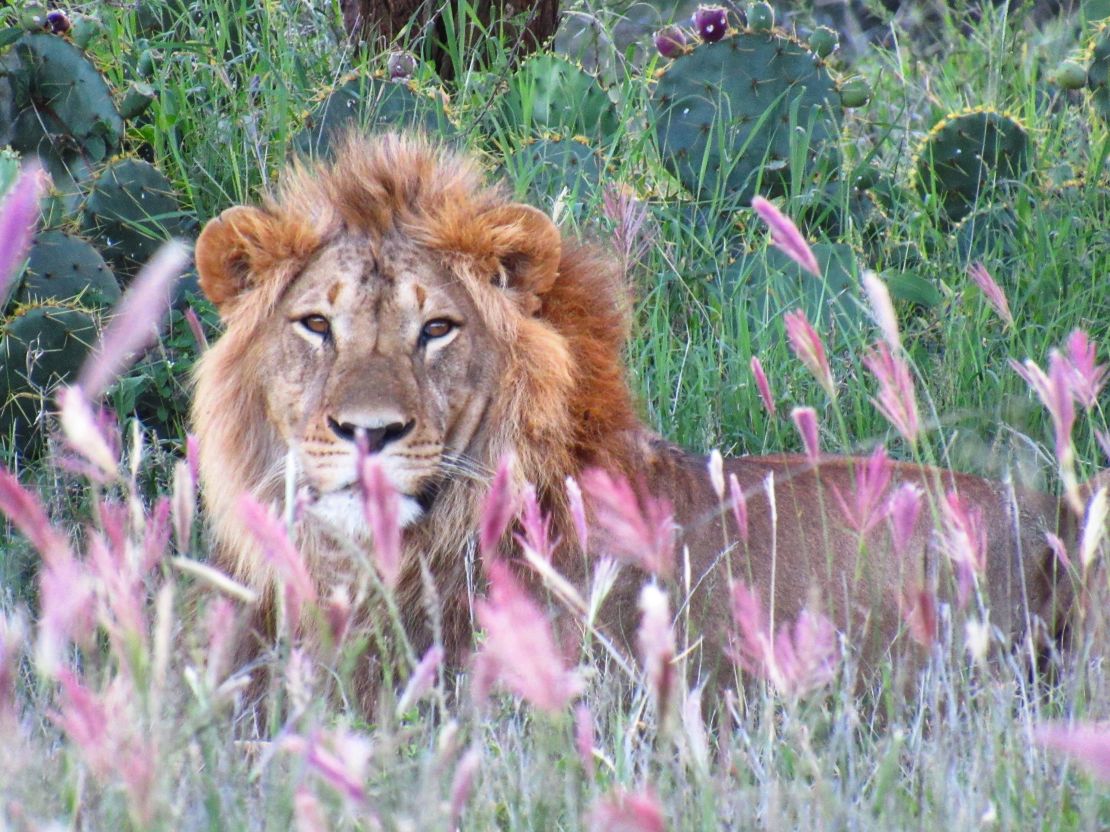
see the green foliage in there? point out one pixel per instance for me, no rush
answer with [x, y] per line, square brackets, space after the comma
[746, 113]
[969, 153]
[130, 211]
[61, 267]
[1098, 71]
[549, 165]
[371, 103]
[54, 104]
[41, 346]
[550, 93]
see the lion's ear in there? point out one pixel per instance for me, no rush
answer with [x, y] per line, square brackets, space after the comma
[528, 245]
[225, 251]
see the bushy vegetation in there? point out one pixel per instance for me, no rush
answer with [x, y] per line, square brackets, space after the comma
[963, 162]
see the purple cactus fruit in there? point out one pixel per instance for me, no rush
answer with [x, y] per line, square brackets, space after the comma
[57, 22]
[711, 22]
[401, 66]
[670, 41]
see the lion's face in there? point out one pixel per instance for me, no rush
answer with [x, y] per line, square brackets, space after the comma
[377, 343]
[388, 301]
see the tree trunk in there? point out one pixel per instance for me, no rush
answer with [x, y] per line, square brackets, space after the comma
[381, 22]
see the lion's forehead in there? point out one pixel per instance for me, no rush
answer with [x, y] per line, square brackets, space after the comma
[374, 282]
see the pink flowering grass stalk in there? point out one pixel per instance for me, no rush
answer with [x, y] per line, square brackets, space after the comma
[805, 420]
[273, 541]
[135, 320]
[536, 527]
[519, 650]
[1086, 377]
[26, 513]
[339, 758]
[83, 434]
[110, 743]
[897, 399]
[739, 505]
[964, 542]
[795, 661]
[882, 308]
[656, 643]
[1094, 528]
[196, 329]
[422, 680]
[625, 811]
[716, 467]
[809, 349]
[867, 504]
[1087, 743]
[903, 511]
[1054, 389]
[992, 292]
[919, 611]
[786, 236]
[462, 784]
[308, 812]
[763, 386]
[381, 506]
[498, 509]
[628, 215]
[338, 612]
[13, 635]
[637, 528]
[18, 214]
[183, 505]
[577, 507]
[584, 737]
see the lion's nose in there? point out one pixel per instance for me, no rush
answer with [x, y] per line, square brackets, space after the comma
[376, 438]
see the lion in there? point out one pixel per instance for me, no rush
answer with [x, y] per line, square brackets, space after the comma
[391, 296]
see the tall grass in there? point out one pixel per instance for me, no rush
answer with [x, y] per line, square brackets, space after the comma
[124, 709]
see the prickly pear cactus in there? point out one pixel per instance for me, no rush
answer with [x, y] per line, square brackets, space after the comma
[41, 346]
[54, 104]
[371, 103]
[549, 92]
[967, 153]
[130, 211]
[1098, 71]
[550, 165]
[62, 266]
[725, 113]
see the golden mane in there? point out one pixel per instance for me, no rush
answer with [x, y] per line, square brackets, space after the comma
[568, 409]
[557, 312]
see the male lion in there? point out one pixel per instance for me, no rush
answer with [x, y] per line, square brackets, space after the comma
[391, 295]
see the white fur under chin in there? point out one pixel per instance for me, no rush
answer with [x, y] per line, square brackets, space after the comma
[342, 511]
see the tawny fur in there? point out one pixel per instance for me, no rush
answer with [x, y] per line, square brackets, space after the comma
[557, 313]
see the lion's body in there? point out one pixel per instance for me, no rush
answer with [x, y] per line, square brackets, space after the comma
[391, 295]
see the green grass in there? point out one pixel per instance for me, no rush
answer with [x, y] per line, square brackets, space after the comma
[953, 751]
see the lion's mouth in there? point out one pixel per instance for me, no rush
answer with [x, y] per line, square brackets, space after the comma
[344, 508]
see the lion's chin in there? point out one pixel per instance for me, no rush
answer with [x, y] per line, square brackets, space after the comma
[341, 511]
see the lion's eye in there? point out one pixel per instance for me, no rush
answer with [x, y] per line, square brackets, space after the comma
[316, 324]
[436, 329]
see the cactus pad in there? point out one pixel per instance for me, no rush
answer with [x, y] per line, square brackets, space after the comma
[1098, 72]
[61, 109]
[724, 111]
[63, 266]
[40, 347]
[548, 165]
[965, 154]
[130, 211]
[373, 104]
[549, 92]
